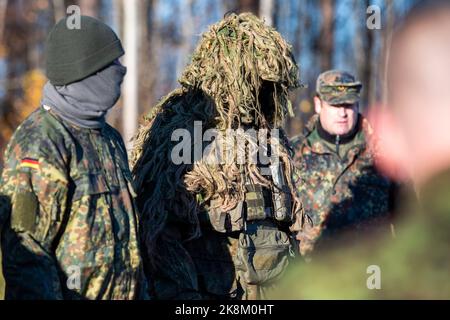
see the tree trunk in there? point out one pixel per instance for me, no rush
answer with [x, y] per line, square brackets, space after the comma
[368, 93]
[147, 57]
[59, 10]
[386, 42]
[130, 86]
[266, 8]
[3, 6]
[326, 38]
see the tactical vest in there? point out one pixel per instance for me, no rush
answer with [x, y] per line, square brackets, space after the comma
[258, 239]
[260, 203]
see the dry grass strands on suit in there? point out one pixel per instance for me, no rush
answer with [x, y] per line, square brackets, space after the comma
[239, 65]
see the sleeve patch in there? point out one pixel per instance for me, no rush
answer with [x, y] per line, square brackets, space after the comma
[25, 206]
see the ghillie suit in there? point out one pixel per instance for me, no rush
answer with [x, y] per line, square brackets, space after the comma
[220, 229]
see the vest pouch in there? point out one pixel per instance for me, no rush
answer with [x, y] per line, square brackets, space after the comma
[263, 254]
[226, 221]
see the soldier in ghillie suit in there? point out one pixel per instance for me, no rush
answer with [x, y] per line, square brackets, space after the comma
[71, 232]
[340, 188]
[220, 230]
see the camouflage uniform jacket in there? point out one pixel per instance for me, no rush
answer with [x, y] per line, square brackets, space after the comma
[340, 194]
[72, 213]
[414, 266]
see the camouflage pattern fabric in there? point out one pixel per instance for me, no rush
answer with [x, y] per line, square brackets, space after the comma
[340, 194]
[414, 266]
[72, 213]
[338, 87]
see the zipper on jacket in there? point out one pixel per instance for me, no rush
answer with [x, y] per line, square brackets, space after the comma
[337, 144]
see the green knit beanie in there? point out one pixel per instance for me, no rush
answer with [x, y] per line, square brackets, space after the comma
[74, 54]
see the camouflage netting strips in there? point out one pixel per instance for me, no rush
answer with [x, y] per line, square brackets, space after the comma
[221, 87]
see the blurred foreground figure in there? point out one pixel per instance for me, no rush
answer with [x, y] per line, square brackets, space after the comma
[220, 228]
[341, 189]
[416, 132]
[71, 232]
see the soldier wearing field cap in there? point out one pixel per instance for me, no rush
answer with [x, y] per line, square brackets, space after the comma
[342, 192]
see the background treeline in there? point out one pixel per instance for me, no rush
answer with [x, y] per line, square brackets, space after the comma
[324, 34]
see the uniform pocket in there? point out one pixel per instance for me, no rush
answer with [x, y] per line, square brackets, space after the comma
[225, 221]
[90, 184]
[91, 217]
[262, 256]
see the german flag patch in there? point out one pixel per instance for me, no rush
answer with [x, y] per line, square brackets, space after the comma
[29, 163]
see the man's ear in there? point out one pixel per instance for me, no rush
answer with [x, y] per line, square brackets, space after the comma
[317, 104]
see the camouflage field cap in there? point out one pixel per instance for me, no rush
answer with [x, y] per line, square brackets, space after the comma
[338, 87]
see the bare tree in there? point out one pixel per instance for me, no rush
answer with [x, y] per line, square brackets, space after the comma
[386, 39]
[130, 87]
[59, 9]
[185, 45]
[147, 58]
[326, 37]
[368, 70]
[114, 116]
[266, 11]
[21, 36]
[3, 6]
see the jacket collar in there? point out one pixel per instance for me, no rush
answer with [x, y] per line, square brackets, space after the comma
[364, 134]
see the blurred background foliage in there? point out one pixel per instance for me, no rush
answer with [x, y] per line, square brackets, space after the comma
[324, 34]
